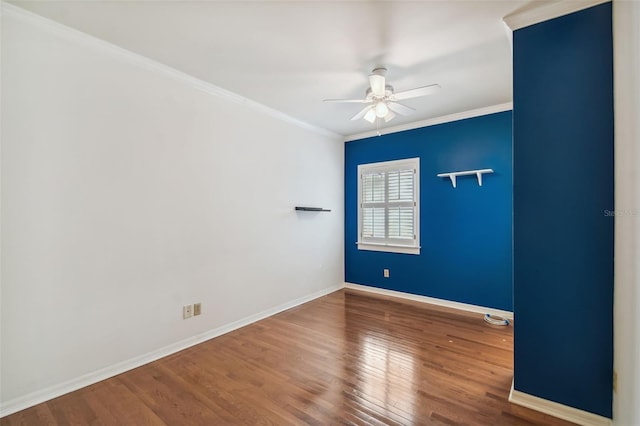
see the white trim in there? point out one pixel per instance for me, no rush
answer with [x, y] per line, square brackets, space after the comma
[386, 245]
[626, 303]
[433, 121]
[431, 300]
[509, 33]
[548, 10]
[389, 248]
[26, 401]
[556, 409]
[80, 37]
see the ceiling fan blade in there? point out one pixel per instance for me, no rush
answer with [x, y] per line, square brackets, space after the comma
[414, 93]
[356, 101]
[362, 112]
[377, 82]
[400, 109]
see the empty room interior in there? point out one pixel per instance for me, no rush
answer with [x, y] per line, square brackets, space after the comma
[318, 212]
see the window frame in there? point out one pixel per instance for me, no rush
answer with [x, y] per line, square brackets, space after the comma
[387, 244]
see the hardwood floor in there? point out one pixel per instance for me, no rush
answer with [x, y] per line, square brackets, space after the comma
[346, 358]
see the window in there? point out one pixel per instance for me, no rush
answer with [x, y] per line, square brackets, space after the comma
[388, 206]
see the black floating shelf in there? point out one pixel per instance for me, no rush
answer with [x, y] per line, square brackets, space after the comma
[312, 209]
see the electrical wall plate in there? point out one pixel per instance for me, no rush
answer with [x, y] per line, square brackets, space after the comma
[187, 311]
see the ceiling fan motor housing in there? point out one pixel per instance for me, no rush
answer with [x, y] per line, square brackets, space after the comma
[388, 91]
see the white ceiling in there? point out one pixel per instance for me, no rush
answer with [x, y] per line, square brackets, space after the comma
[290, 55]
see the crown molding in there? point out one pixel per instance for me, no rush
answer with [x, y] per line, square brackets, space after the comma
[537, 12]
[149, 64]
[433, 121]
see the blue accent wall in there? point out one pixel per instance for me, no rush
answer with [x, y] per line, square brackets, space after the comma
[466, 232]
[563, 183]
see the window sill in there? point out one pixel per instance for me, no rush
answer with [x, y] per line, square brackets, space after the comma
[390, 248]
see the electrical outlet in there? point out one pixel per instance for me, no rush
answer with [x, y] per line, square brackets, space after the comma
[385, 273]
[187, 311]
[197, 309]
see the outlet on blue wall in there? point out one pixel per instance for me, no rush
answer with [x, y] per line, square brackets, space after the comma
[563, 184]
[466, 234]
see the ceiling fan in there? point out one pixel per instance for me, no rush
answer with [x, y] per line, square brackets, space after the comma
[383, 101]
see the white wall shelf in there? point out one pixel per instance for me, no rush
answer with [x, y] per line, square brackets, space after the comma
[453, 175]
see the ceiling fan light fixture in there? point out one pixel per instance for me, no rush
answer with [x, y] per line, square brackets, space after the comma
[370, 116]
[382, 101]
[381, 109]
[389, 117]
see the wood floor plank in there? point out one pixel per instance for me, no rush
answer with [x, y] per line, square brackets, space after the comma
[349, 358]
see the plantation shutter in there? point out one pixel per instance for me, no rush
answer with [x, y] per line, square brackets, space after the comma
[373, 212]
[401, 203]
[388, 205]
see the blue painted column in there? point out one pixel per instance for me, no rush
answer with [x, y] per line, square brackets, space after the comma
[563, 201]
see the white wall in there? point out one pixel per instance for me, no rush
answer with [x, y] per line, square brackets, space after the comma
[626, 410]
[129, 191]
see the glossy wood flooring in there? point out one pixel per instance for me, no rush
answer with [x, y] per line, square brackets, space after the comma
[346, 358]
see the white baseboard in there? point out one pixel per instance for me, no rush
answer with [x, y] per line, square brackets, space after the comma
[556, 409]
[431, 300]
[34, 398]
